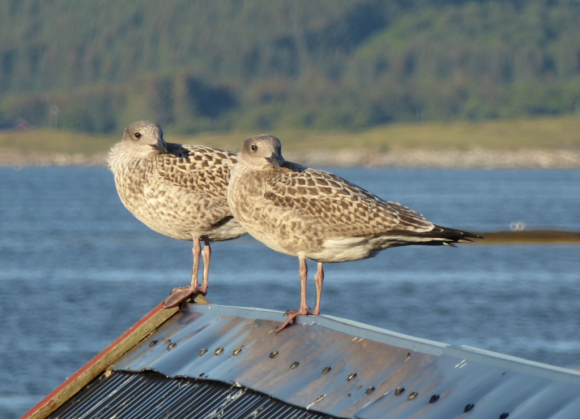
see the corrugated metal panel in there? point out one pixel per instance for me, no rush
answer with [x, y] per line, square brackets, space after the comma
[150, 395]
[391, 375]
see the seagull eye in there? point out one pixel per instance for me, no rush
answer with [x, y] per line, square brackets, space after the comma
[254, 147]
[137, 135]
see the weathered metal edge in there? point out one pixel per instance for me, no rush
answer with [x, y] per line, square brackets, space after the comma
[103, 360]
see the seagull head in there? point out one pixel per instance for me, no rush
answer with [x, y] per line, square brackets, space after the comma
[145, 139]
[262, 152]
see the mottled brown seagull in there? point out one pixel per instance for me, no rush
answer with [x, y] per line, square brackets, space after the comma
[176, 190]
[316, 215]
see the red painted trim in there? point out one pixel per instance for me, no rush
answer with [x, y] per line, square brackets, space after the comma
[48, 399]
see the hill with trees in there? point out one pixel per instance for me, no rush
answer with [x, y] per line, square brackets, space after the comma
[218, 65]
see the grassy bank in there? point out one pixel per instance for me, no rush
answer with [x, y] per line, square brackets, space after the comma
[510, 136]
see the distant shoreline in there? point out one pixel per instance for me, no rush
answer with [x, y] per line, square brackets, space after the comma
[396, 157]
[550, 143]
[476, 158]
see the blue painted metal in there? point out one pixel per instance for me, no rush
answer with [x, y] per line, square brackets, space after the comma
[309, 365]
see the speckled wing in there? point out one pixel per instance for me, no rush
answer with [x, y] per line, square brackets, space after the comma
[191, 182]
[199, 169]
[345, 210]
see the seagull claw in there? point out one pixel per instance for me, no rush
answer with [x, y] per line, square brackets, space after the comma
[179, 295]
[292, 314]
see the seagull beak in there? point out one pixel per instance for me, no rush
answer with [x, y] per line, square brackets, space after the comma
[160, 146]
[275, 160]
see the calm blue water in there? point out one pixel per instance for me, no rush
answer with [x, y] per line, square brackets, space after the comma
[76, 270]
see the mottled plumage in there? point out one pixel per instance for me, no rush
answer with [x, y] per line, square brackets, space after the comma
[316, 215]
[176, 190]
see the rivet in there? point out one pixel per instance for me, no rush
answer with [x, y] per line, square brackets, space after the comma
[359, 387]
[326, 370]
[273, 354]
[468, 407]
[171, 346]
[503, 415]
[351, 376]
[348, 395]
[408, 354]
[294, 365]
[219, 351]
[203, 351]
[319, 398]
[399, 390]
[153, 342]
[412, 395]
[237, 351]
[167, 341]
[369, 390]
[201, 375]
[434, 398]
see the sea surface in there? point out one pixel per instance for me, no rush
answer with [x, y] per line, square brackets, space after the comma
[77, 269]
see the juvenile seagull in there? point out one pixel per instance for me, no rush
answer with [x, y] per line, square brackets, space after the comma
[176, 190]
[319, 216]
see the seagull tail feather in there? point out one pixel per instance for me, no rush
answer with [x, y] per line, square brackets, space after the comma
[450, 236]
[438, 236]
[453, 235]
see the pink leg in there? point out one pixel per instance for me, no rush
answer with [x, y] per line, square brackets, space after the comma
[206, 253]
[179, 295]
[196, 254]
[319, 278]
[303, 310]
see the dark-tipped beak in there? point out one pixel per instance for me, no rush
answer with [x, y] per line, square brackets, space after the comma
[160, 146]
[276, 160]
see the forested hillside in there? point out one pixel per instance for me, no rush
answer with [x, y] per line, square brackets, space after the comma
[223, 64]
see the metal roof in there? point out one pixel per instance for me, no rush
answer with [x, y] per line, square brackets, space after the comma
[152, 395]
[347, 369]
